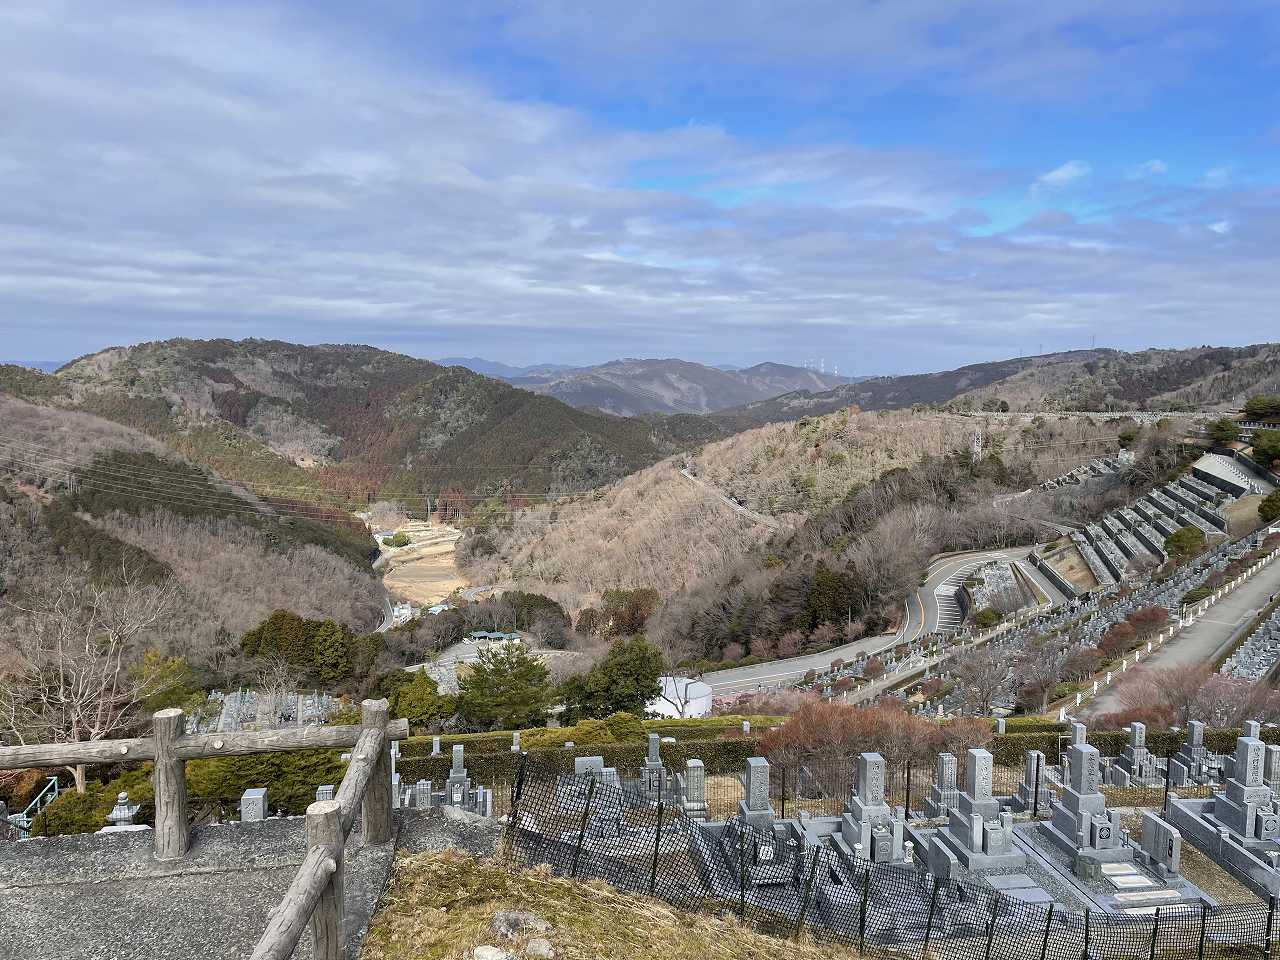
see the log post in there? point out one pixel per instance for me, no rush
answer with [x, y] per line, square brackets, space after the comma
[324, 832]
[169, 778]
[376, 807]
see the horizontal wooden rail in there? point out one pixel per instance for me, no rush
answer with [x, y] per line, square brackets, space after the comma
[356, 780]
[201, 746]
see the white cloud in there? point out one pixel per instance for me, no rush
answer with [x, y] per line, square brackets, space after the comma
[1144, 171]
[1064, 176]
[247, 174]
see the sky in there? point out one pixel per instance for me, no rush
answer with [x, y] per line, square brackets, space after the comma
[885, 187]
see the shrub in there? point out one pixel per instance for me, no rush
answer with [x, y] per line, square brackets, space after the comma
[986, 618]
[400, 539]
[625, 726]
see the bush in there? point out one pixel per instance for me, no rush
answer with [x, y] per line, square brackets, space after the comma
[1269, 508]
[625, 726]
[400, 539]
[986, 618]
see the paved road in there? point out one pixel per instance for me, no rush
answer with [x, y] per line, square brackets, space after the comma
[1209, 636]
[744, 679]
[925, 615]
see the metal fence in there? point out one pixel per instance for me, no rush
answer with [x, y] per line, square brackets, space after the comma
[589, 830]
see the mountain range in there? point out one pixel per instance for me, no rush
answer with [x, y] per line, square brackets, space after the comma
[669, 386]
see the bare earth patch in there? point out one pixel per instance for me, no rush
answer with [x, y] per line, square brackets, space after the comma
[425, 572]
[1074, 570]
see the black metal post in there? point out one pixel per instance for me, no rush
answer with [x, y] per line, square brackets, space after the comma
[1155, 932]
[1084, 955]
[1164, 806]
[1035, 798]
[517, 793]
[862, 916]
[808, 892]
[928, 925]
[742, 875]
[582, 828]
[1271, 921]
[657, 846]
[1048, 929]
[907, 806]
[1204, 916]
[991, 930]
[784, 793]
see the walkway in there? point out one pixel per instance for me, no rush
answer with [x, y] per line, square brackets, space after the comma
[1209, 637]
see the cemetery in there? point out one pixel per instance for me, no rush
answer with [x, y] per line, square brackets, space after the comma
[973, 858]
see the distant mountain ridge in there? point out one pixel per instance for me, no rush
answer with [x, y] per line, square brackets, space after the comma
[635, 387]
[503, 371]
[45, 366]
[354, 420]
[1100, 380]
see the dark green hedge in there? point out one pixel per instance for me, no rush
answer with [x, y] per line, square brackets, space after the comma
[1009, 749]
[719, 756]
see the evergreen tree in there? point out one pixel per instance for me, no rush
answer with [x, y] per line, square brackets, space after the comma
[419, 701]
[625, 681]
[505, 689]
[329, 644]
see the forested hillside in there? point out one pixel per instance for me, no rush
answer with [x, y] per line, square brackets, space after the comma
[670, 527]
[633, 387]
[88, 504]
[353, 420]
[1193, 379]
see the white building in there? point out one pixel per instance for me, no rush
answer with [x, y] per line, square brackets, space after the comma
[681, 698]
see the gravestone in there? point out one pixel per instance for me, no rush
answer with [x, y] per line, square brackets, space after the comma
[515, 741]
[435, 746]
[655, 774]
[692, 786]
[977, 797]
[977, 835]
[869, 829]
[943, 795]
[1081, 824]
[1035, 776]
[1191, 764]
[324, 792]
[457, 787]
[755, 807]
[1136, 765]
[1245, 807]
[1272, 767]
[253, 805]
[1161, 844]
[422, 794]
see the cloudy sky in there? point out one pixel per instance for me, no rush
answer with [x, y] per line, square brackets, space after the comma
[890, 186]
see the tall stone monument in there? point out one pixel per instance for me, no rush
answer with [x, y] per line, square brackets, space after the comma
[755, 808]
[1245, 806]
[1081, 824]
[977, 835]
[1035, 777]
[870, 828]
[943, 795]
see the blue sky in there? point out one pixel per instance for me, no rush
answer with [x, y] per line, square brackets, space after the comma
[892, 186]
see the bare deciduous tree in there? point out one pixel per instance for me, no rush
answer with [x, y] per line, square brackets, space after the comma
[981, 676]
[78, 673]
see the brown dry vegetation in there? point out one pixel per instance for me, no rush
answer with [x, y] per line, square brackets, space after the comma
[231, 576]
[441, 906]
[657, 528]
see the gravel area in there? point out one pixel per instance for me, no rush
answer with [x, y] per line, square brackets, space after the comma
[103, 897]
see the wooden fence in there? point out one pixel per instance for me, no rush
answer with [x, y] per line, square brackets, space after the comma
[315, 896]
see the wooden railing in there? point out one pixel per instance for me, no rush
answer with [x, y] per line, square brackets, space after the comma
[315, 896]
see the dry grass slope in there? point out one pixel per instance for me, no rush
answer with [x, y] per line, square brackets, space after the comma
[657, 528]
[441, 906]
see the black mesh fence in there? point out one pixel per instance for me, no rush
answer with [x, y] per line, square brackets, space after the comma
[642, 842]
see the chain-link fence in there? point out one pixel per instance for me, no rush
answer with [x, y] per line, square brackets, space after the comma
[590, 829]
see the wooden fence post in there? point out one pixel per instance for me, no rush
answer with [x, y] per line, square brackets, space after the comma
[169, 778]
[324, 831]
[376, 806]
